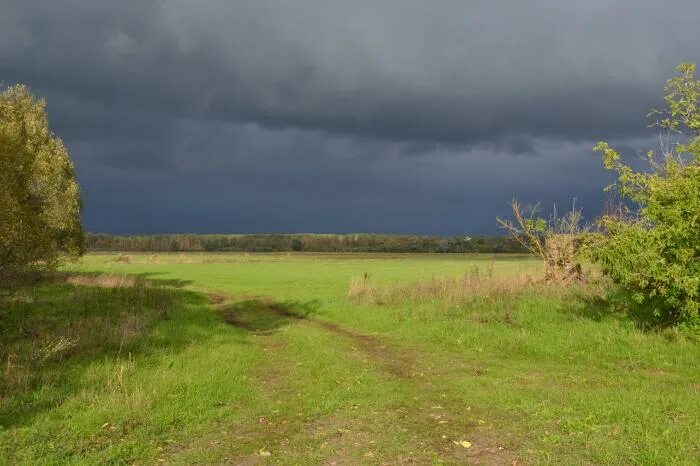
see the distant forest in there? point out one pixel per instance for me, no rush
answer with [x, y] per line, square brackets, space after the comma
[302, 242]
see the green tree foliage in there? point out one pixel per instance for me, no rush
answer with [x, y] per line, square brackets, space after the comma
[39, 195]
[652, 246]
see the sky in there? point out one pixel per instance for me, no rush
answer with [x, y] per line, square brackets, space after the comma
[386, 116]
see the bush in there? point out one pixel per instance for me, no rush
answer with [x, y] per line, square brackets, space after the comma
[651, 244]
[555, 240]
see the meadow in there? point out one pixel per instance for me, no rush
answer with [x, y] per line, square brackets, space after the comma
[338, 359]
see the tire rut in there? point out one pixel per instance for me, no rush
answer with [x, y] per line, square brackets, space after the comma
[402, 364]
[434, 423]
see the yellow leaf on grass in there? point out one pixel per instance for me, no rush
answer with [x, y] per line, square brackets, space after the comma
[463, 443]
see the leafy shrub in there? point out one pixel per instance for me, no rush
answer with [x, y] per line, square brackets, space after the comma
[651, 245]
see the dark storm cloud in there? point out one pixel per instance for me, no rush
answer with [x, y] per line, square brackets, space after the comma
[437, 193]
[446, 70]
[374, 115]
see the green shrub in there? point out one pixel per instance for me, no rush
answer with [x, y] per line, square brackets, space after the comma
[651, 245]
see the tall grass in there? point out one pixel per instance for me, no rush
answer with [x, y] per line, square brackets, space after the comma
[476, 282]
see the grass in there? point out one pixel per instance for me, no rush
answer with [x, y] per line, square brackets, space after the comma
[264, 358]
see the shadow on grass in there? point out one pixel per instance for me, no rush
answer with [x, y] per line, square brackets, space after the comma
[154, 277]
[52, 335]
[264, 317]
[616, 303]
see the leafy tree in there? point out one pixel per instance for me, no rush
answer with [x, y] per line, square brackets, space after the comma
[651, 245]
[39, 195]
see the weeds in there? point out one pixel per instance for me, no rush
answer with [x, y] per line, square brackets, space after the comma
[118, 374]
[360, 289]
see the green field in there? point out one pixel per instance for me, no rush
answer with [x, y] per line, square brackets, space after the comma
[265, 358]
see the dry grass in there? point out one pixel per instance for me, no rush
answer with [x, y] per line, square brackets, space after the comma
[560, 262]
[53, 348]
[104, 280]
[118, 375]
[360, 288]
[123, 258]
[475, 283]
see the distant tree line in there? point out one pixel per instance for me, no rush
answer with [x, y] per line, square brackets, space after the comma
[302, 242]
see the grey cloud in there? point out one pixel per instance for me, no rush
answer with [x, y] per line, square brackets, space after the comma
[409, 69]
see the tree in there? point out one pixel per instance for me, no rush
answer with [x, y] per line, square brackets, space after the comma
[39, 195]
[651, 244]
